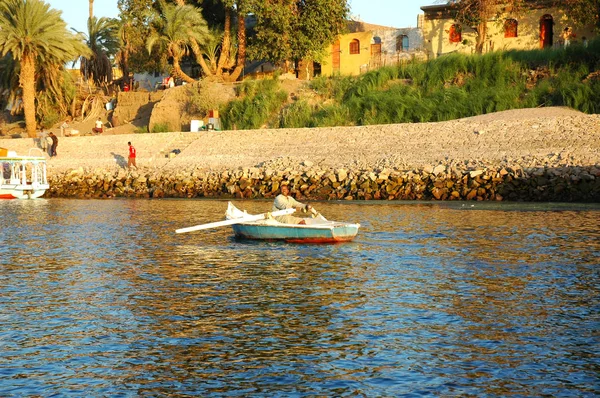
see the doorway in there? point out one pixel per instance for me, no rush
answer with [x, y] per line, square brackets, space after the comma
[335, 53]
[546, 31]
[376, 55]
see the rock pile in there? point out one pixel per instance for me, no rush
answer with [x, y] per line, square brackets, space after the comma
[307, 181]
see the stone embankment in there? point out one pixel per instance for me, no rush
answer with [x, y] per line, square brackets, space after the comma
[564, 184]
[550, 154]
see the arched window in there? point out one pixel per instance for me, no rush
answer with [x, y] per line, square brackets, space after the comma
[455, 33]
[402, 43]
[355, 47]
[511, 27]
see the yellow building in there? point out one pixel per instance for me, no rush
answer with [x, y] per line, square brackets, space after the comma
[535, 26]
[368, 46]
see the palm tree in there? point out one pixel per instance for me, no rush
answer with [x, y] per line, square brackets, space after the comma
[175, 29]
[103, 42]
[35, 34]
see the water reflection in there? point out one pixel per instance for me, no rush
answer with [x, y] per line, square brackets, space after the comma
[430, 299]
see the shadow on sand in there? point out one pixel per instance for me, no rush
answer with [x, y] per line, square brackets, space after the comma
[119, 159]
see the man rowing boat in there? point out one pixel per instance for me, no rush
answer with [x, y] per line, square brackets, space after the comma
[285, 201]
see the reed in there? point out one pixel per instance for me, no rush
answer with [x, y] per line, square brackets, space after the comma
[297, 115]
[450, 87]
[258, 105]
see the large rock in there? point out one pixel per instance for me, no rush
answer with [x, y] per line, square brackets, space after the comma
[134, 106]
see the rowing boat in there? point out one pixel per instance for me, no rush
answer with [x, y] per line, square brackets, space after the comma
[317, 229]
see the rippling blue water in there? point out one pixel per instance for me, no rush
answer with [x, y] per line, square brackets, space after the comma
[102, 298]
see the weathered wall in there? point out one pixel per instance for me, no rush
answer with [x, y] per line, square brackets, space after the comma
[350, 64]
[437, 42]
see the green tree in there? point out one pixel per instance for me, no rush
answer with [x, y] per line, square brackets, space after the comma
[477, 13]
[136, 16]
[285, 30]
[584, 12]
[103, 42]
[289, 30]
[175, 29]
[34, 34]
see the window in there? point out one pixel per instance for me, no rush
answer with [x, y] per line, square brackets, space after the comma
[402, 43]
[511, 28]
[455, 33]
[355, 47]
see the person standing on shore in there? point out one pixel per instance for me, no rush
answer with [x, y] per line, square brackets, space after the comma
[43, 142]
[285, 201]
[54, 139]
[132, 153]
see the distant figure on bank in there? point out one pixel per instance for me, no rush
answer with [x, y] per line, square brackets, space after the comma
[568, 35]
[42, 136]
[285, 201]
[131, 160]
[63, 128]
[98, 128]
[54, 139]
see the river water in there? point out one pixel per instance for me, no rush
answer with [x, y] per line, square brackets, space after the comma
[102, 298]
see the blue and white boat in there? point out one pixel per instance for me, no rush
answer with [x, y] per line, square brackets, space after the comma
[317, 229]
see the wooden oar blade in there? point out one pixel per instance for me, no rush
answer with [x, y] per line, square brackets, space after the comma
[249, 218]
[212, 225]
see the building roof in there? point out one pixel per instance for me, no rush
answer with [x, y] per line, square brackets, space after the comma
[360, 26]
[436, 7]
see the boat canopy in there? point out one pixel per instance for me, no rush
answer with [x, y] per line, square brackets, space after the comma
[22, 176]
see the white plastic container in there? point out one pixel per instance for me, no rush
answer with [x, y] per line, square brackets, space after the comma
[196, 125]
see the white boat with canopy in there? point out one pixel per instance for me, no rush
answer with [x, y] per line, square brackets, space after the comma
[22, 177]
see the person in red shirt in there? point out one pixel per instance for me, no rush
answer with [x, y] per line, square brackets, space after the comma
[131, 161]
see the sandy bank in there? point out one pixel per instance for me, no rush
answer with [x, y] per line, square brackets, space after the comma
[529, 137]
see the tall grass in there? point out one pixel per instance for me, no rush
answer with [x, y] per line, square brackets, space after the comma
[333, 88]
[259, 102]
[296, 115]
[455, 86]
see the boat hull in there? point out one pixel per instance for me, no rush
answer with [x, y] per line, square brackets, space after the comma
[16, 192]
[339, 232]
[22, 177]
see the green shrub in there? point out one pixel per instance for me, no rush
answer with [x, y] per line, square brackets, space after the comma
[334, 87]
[161, 128]
[141, 130]
[296, 115]
[259, 103]
[49, 119]
[333, 115]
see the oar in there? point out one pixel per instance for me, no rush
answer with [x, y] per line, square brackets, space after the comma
[241, 220]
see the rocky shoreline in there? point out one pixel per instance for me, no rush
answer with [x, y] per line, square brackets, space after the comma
[307, 182]
[542, 154]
